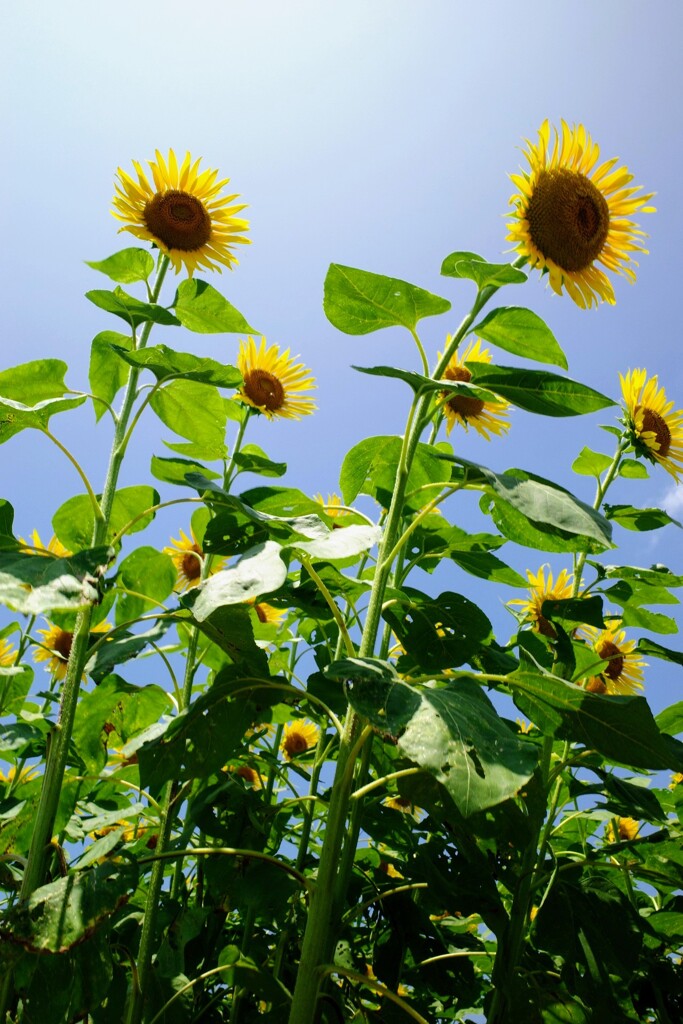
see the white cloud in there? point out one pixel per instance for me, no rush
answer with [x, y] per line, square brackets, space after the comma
[672, 501]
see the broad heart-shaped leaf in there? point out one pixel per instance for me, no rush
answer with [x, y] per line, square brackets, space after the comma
[651, 647]
[195, 411]
[259, 571]
[252, 459]
[173, 471]
[147, 572]
[370, 467]
[523, 333]
[230, 627]
[202, 309]
[129, 308]
[73, 521]
[436, 633]
[165, 363]
[342, 543]
[199, 741]
[15, 417]
[620, 728]
[126, 266]
[581, 610]
[122, 647]
[639, 519]
[454, 733]
[114, 706]
[544, 504]
[590, 463]
[36, 585]
[359, 302]
[108, 373]
[421, 384]
[475, 268]
[633, 470]
[57, 916]
[538, 391]
[30, 383]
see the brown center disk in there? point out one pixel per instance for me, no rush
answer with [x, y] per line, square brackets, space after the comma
[264, 389]
[295, 744]
[62, 643]
[466, 407]
[191, 564]
[179, 220]
[568, 219]
[610, 652]
[657, 424]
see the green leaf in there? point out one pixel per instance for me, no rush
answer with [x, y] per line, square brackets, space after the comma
[474, 267]
[487, 567]
[521, 332]
[121, 648]
[57, 916]
[15, 683]
[590, 463]
[358, 302]
[578, 611]
[421, 384]
[36, 585]
[114, 707]
[639, 519]
[641, 618]
[146, 572]
[129, 308]
[436, 633]
[196, 450]
[516, 527]
[620, 728]
[165, 363]
[34, 382]
[73, 521]
[651, 647]
[454, 734]
[252, 459]
[126, 266]
[108, 373]
[15, 417]
[671, 719]
[370, 467]
[633, 470]
[202, 309]
[173, 471]
[357, 669]
[259, 571]
[195, 411]
[538, 390]
[345, 542]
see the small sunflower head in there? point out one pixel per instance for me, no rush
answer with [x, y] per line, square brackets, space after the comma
[298, 737]
[626, 830]
[404, 806]
[623, 673]
[188, 557]
[655, 430]
[573, 212]
[274, 384]
[56, 647]
[487, 418]
[182, 213]
[544, 589]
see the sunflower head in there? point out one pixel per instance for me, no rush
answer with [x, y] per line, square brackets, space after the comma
[266, 614]
[573, 211]
[188, 557]
[487, 418]
[183, 213]
[541, 590]
[56, 647]
[624, 671]
[36, 546]
[656, 431]
[627, 829]
[404, 805]
[8, 653]
[333, 506]
[274, 383]
[298, 737]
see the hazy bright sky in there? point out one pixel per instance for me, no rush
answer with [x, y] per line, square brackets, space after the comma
[375, 133]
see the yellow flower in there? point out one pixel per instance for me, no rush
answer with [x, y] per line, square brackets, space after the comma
[486, 417]
[25, 775]
[249, 775]
[626, 827]
[273, 383]
[8, 653]
[333, 506]
[404, 805]
[188, 559]
[544, 590]
[624, 672]
[57, 647]
[266, 613]
[676, 780]
[298, 737]
[36, 547]
[656, 431]
[183, 214]
[573, 212]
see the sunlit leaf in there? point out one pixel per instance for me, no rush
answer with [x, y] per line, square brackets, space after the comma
[358, 302]
[126, 266]
[590, 463]
[130, 309]
[371, 466]
[474, 267]
[195, 411]
[259, 571]
[108, 373]
[15, 417]
[73, 522]
[521, 332]
[166, 363]
[34, 382]
[202, 309]
[538, 391]
[639, 519]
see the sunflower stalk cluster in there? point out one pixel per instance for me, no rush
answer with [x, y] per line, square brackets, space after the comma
[254, 768]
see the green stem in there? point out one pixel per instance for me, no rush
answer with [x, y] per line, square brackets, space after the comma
[79, 469]
[320, 932]
[600, 493]
[231, 469]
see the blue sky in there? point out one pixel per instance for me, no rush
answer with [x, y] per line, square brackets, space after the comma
[375, 133]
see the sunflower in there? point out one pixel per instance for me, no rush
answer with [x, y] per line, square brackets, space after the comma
[656, 431]
[544, 590]
[486, 417]
[334, 507]
[249, 774]
[36, 547]
[627, 829]
[8, 653]
[188, 558]
[298, 737]
[183, 214]
[273, 383]
[572, 212]
[56, 647]
[404, 805]
[265, 613]
[624, 671]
